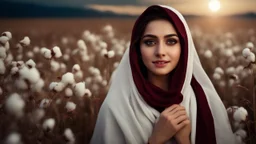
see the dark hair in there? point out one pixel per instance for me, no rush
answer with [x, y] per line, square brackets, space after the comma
[156, 13]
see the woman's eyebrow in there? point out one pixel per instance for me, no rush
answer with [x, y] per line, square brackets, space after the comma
[153, 36]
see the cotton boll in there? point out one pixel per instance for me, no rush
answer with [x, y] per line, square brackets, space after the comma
[58, 101]
[8, 59]
[59, 87]
[104, 52]
[88, 80]
[19, 57]
[78, 75]
[47, 54]
[38, 86]
[20, 64]
[7, 34]
[103, 44]
[251, 57]
[2, 52]
[25, 41]
[52, 85]
[241, 133]
[81, 44]
[79, 89]
[231, 82]
[15, 104]
[1, 91]
[216, 76]
[219, 70]
[32, 75]
[250, 45]
[76, 68]
[57, 52]
[111, 54]
[69, 136]
[70, 106]
[49, 124]
[14, 70]
[68, 78]
[230, 70]
[55, 66]
[63, 67]
[116, 64]
[240, 114]
[21, 84]
[239, 69]
[44, 103]
[98, 78]
[208, 54]
[2, 67]
[107, 28]
[30, 54]
[88, 93]
[3, 40]
[85, 58]
[222, 83]
[232, 109]
[43, 49]
[7, 46]
[13, 138]
[66, 57]
[246, 52]
[36, 49]
[229, 52]
[238, 125]
[30, 63]
[68, 92]
[239, 139]
[104, 83]
[19, 48]
[95, 87]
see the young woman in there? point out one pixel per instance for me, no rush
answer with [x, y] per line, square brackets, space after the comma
[160, 92]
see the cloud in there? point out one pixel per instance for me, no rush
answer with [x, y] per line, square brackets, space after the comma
[126, 9]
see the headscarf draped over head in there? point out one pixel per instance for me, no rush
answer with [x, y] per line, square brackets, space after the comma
[133, 105]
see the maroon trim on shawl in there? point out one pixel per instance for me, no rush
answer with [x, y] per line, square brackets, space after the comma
[160, 99]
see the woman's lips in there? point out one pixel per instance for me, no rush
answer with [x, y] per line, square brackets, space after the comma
[160, 64]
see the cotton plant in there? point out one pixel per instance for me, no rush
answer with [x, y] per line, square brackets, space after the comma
[55, 52]
[70, 106]
[78, 73]
[15, 105]
[69, 136]
[108, 30]
[13, 138]
[48, 124]
[80, 90]
[218, 73]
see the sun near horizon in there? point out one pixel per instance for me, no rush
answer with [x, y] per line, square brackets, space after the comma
[214, 5]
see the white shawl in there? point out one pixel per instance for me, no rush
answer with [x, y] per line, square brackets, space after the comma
[125, 117]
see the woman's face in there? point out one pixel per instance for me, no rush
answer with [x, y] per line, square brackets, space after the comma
[160, 47]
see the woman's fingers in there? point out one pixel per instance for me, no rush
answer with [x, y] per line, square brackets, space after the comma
[171, 108]
[182, 124]
[180, 119]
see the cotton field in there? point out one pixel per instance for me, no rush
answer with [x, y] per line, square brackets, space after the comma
[54, 79]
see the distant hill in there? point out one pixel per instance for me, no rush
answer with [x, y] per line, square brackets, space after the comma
[31, 10]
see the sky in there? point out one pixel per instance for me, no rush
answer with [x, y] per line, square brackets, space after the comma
[135, 7]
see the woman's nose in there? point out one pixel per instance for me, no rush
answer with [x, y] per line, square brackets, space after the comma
[160, 50]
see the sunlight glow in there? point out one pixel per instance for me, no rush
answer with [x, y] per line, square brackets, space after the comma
[214, 5]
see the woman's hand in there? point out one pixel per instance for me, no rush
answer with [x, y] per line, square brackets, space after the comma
[171, 120]
[183, 135]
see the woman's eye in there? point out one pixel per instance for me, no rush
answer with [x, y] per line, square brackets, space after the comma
[149, 42]
[171, 41]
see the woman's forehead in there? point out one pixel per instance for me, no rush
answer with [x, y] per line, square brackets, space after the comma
[160, 27]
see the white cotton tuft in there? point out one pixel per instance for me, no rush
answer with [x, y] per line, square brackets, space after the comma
[36, 49]
[70, 106]
[239, 139]
[116, 64]
[55, 66]
[7, 34]
[44, 103]
[30, 63]
[2, 52]
[13, 138]
[98, 78]
[81, 45]
[2, 67]
[7, 46]
[94, 71]
[229, 52]
[88, 80]
[103, 52]
[246, 52]
[107, 28]
[88, 93]
[38, 86]
[15, 104]
[208, 54]
[239, 69]
[57, 52]
[111, 54]
[21, 84]
[68, 78]
[69, 136]
[32, 75]
[9, 59]
[59, 87]
[240, 114]
[251, 57]
[66, 57]
[104, 83]
[19, 57]
[47, 53]
[216, 76]
[75, 68]
[14, 70]
[4, 40]
[30, 54]
[103, 44]
[48, 124]
[25, 41]
[219, 70]
[68, 92]
[63, 67]
[250, 45]
[241, 133]
[230, 70]
[78, 75]
[79, 89]
[52, 85]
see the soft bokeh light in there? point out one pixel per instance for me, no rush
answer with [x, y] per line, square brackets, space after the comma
[214, 5]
